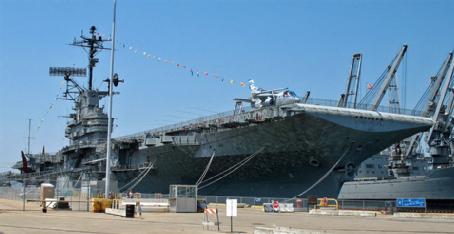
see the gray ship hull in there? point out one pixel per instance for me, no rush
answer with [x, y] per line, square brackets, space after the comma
[437, 185]
[298, 151]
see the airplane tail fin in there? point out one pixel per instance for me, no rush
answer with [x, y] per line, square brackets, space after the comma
[252, 86]
[24, 162]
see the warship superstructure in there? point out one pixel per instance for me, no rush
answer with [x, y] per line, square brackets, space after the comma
[272, 144]
[421, 166]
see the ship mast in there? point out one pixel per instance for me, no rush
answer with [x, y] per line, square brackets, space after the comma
[94, 43]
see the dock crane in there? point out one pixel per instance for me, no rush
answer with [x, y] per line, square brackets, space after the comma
[430, 99]
[433, 106]
[352, 82]
[383, 83]
[438, 138]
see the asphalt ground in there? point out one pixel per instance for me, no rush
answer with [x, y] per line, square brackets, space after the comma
[12, 220]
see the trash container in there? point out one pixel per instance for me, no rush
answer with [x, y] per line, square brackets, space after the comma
[130, 210]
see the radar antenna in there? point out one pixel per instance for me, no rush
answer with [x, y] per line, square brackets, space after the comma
[72, 87]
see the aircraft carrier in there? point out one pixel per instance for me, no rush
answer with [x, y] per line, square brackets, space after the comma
[273, 143]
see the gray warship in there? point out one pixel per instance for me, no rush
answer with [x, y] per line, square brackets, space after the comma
[273, 143]
[421, 166]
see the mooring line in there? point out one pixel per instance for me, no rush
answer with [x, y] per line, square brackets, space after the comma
[326, 174]
[235, 168]
[206, 170]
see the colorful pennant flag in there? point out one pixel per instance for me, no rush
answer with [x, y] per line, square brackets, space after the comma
[192, 71]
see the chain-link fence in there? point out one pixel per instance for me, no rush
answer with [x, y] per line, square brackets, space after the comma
[303, 203]
[78, 199]
[245, 200]
[16, 194]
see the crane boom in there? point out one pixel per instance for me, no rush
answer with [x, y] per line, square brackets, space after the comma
[392, 69]
[441, 100]
[436, 87]
[431, 99]
[352, 82]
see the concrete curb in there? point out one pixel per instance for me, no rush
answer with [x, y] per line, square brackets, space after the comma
[360, 213]
[423, 215]
[284, 230]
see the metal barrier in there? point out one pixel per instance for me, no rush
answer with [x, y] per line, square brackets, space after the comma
[366, 204]
[327, 203]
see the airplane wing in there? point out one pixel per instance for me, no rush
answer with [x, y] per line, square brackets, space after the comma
[243, 100]
[272, 91]
[265, 95]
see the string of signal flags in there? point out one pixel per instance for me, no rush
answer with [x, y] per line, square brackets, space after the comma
[192, 71]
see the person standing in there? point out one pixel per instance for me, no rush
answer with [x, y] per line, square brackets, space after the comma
[138, 208]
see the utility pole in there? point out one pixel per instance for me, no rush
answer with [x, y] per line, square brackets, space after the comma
[109, 123]
[28, 138]
[23, 169]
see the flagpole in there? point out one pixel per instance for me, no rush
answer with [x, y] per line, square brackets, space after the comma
[109, 123]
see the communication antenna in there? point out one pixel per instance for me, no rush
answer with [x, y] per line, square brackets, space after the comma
[94, 44]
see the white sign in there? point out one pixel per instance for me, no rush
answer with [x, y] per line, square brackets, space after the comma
[231, 205]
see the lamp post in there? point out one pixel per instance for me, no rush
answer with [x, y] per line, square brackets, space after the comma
[109, 122]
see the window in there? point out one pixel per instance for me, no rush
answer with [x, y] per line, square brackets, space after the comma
[369, 165]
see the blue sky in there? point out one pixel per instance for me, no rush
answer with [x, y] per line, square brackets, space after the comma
[303, 45]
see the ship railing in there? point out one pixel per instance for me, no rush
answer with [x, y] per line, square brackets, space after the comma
[132, 167]
[48, 157]
[227, 117]
[85, 143]
[201, 121]
[44, 174]
[365, 106]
